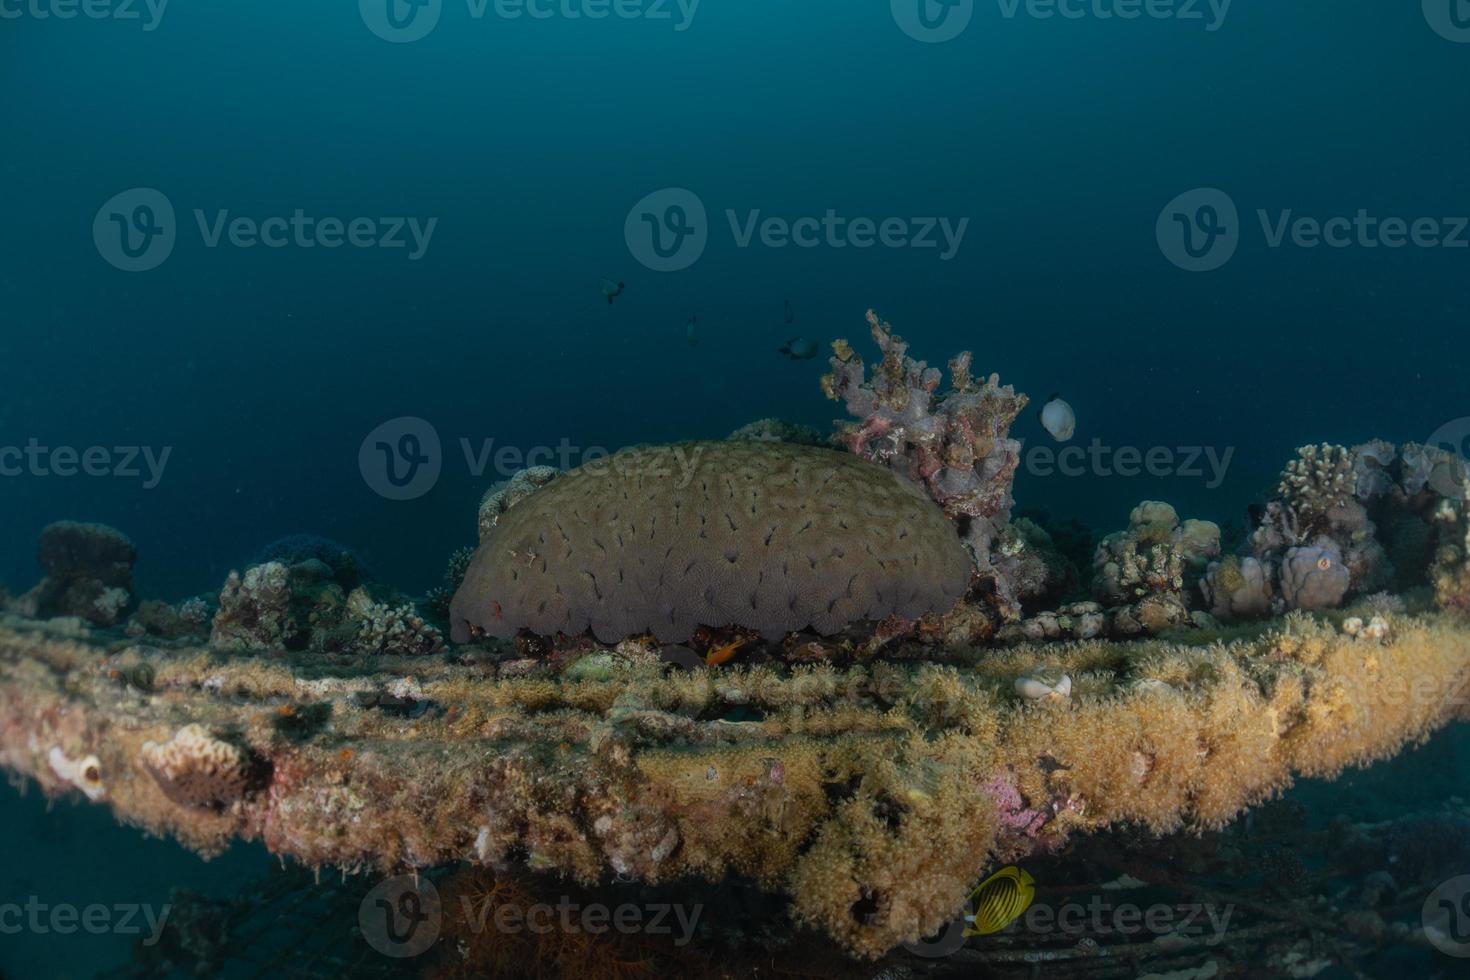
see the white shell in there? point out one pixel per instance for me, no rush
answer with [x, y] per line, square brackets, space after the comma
[1058, 418]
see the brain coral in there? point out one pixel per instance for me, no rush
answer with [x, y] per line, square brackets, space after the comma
[768, 536]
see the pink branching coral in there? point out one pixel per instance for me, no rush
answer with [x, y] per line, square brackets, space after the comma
[955, 444]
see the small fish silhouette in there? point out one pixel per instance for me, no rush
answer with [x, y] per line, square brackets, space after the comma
[611, 288]
[799, 348]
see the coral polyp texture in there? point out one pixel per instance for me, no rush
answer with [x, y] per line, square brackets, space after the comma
[766, 536]
[875, 795]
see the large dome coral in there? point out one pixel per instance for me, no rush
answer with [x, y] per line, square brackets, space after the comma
[765, 536]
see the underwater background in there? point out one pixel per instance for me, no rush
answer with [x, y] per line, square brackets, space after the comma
[1059, 143]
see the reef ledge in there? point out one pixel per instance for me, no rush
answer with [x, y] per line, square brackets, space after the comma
[876, 795]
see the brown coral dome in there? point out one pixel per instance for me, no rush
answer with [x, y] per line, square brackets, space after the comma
[666, 539]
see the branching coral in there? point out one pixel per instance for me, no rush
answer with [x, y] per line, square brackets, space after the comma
[956, 444]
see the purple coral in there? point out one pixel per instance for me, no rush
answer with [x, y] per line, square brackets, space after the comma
[1011, 809]
[956, 444]
[1313, 578]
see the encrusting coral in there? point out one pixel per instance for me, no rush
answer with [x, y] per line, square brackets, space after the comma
[876, 795]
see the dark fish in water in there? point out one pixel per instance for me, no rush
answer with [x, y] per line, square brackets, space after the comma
[689, 336]
[610, 287]
[800, 348]
[790, 313]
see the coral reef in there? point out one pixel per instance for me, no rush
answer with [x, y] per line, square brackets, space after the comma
[1144, 575]
[875, 794]
[506, 494]
[1313, 578]
[1239, 588]
[196, 769]
[778, 430]
[955, 444]
[190, 619]
[348, 569]
[273, 607]
[1340, 515]
[766, 536]
[1038, 570]
[88, 574]
[1451, 572]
